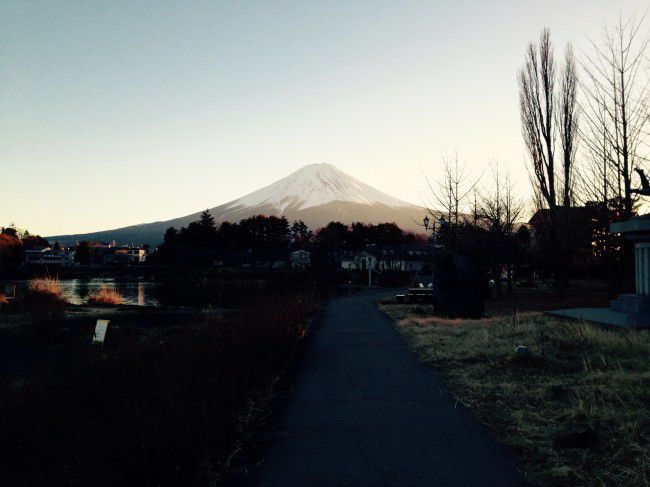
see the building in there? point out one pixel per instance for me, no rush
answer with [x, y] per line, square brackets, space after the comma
[124, 255]
[358, 261]
[48, 256]
[405, 258]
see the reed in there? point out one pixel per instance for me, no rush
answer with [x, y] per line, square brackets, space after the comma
[106, 296]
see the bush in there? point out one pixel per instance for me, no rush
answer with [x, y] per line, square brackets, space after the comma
[45, 300]
[106, 296]
[46, 285]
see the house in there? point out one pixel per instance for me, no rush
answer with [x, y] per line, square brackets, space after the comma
[131, 254]
[300, 259]
[405, 257]
[124, 255]
[48, 256]
[358, 261]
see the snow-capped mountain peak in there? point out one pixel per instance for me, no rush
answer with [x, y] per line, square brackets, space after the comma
[316, 194]
[315, 185]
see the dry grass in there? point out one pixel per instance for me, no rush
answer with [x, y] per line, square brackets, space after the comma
[106, 296]
[578, 378]
[45, 300]
[46, 285]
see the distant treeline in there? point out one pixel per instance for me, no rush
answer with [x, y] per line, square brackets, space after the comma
[13, 245]
[265, 236]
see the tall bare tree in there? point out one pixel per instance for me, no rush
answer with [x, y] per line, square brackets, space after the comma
[617, 108]
[549, 111]
[537, 108]
[568, 120]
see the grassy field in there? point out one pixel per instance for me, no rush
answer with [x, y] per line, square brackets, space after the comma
[576, 408]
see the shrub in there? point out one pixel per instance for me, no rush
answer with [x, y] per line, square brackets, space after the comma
[106, 296]
[45, 300]
[46, 285]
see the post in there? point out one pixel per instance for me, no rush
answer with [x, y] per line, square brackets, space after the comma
[433, 268]
[369, 277]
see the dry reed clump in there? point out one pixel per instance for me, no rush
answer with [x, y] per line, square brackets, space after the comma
[106, 296]
[45, 300]
[46, 285]
[575, 407]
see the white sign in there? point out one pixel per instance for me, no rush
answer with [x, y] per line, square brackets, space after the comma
[100, 331]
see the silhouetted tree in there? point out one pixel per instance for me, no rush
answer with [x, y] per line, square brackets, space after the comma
[301, 235]
[499, 210]
[83, 253]
[333, 236]
[617, 108]
[171, 234]
[34, 241]
[10, 230]
[542, 121]
[206, 220]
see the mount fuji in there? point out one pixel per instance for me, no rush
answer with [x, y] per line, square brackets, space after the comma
[316, 194]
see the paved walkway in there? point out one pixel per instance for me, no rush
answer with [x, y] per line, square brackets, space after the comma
[366, 412]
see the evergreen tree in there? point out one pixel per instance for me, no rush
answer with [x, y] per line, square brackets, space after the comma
[207, 220]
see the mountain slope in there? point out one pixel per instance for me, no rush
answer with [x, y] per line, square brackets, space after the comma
[317, 194]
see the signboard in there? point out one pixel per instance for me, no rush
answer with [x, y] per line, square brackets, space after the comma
[100, 331]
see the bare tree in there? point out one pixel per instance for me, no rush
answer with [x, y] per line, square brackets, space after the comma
[549, 111]
[453, 188]
[500, 210]
[568, 119]
[537, 107]
[451, 193]
[618, 109]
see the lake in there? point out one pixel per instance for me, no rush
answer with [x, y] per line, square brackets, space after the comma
[141, 293]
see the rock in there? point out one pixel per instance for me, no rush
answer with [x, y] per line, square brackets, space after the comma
[579, 438]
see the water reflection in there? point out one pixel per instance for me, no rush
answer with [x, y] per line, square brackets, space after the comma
[139, 293]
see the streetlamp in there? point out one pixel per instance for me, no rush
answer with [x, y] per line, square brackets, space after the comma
[426, 222]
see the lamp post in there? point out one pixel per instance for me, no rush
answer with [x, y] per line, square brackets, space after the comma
[426, 222]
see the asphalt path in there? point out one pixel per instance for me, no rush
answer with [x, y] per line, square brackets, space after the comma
[365, 411]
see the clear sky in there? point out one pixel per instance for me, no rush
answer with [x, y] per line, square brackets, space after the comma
[123, 112]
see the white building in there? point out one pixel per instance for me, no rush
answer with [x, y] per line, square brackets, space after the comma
[357, 261]
[47, 256]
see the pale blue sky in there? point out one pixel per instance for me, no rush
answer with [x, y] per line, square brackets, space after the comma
[116, 113]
